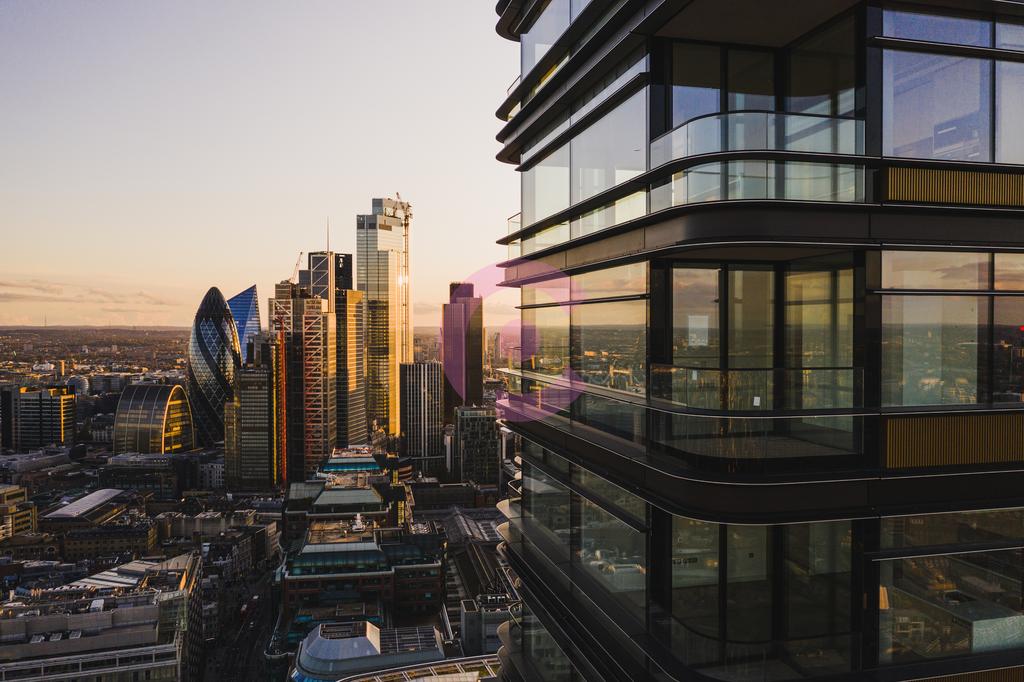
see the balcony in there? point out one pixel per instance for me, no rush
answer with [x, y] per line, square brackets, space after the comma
[759, 131]
[756, 422]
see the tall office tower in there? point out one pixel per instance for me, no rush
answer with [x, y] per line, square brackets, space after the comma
[351, 321]
[213, 358]
[153, 418]
[330, 276]
[462, 348]
[307, 324]
[245, 309]
[35, 418]
[771, 406]
[422, 391]
[382, 239]
[252, 424]
[476, 445]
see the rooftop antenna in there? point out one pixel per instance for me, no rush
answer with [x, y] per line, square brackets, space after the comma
[328, 234]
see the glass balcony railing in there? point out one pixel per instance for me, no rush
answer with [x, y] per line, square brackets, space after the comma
[515, 223]
[738, 390]
[759, 131]
[711, 421]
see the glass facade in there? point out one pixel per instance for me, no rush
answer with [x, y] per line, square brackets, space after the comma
[214, 356]
[153, 418]
[245, 309]
[720, 407]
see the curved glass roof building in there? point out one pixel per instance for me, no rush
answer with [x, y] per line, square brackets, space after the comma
[213, 358]
[245, 308]
[153, 418]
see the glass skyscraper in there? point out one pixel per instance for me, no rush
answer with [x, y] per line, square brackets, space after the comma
[771, 399]
[382, 259]
[245, 309]
[213, 358]
[422, 427]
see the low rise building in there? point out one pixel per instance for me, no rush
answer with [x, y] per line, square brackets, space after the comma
[337, 650]
[131, 535]
[17, 514]
[142, 622]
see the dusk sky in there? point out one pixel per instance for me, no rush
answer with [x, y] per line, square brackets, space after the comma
[150, 150]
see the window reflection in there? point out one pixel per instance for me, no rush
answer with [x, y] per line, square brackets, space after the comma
[823, 72]
[751, 79]
[1009, 112]
[546, 340]
[545, 187]
[937, 107]
[625, 280]
[931, 349]
[545, 505]
[1009, 269]
[550, 23]
[695, 303]
[611, 342]
[696, 81]
[1008, 350]
[611, 151]
[935, 270]
[750, 327]
[607, 490]
[614, 554]
[956, 528]
[545, 657]
[950, 605]
[936, 28]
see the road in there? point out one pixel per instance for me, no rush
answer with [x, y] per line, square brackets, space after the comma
[237, 654]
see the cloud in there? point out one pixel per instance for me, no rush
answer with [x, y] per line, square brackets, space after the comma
[34, 285]
[36, 291]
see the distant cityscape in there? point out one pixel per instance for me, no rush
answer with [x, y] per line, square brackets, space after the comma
[223, 501]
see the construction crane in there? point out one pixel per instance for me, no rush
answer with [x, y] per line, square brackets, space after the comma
[295, 271]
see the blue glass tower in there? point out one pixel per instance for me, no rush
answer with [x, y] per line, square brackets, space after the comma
[213, 359]
[245, 309]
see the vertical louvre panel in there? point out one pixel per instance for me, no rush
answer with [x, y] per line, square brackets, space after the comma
[968, 188]
[951, 440]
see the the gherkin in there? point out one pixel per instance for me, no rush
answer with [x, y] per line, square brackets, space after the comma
[213, 358]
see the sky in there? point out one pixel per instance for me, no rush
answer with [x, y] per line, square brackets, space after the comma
[152, 149]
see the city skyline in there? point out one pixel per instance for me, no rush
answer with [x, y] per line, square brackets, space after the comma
[119, 178]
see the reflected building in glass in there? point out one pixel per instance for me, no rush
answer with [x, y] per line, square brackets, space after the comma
[382, 242]
[153, 418]
[214, 356]
[771, 392]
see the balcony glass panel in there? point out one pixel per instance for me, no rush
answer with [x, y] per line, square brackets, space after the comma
[936, 107]
[957, 528]
[950, 605]
[932, 349]
[546, 238]
[554, 290]
[936, 28]
[759, 131]
[935, 270]
[619, 211]
[819, 318]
